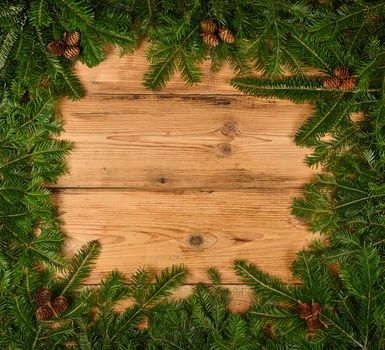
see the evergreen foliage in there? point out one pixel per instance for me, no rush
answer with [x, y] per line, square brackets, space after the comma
[338, 303]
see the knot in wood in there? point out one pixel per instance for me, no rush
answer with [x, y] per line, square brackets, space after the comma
[163, 180]
[225, 149]
[229, 128]
[195, 240]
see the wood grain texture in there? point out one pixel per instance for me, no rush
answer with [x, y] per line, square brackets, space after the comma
[198, 229]
[179, 142]
[124, 75]
[196, 175]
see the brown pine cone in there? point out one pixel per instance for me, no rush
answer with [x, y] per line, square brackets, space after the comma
[60, 304]
[72, 39]
[348, 84]
[268, 329]
[45, 313]
[71, 52]
[56, 47]
[332, 83]
[210, 40]
[226, 35]
[208, 26]
[316, 309]
[43, 296]
[342, 72]
[334, 270]
[304, 310]
[314, 323]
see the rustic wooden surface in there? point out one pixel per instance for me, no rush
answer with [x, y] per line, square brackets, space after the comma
[196, 175]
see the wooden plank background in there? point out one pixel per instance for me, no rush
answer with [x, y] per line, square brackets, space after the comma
[196, 175]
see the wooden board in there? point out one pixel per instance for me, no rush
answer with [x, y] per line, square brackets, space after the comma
[168, 142]
[195, 175]
[124, 75]
[199, 229]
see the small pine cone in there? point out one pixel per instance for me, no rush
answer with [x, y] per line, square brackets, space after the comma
[226, 35]
[56, 47]
[60, 304]
[71, 52]
[208, 26]
[269, 331]
[44, 313]
[210, 40]
[43, 296]
[316, 309]
[72, 39]
[342, 72]
[304, 310]
[332, 83]
[334, 270]
[314, 324]
[348, 84]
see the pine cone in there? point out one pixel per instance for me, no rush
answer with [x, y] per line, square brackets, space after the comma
[210, 39]
[56, 47]
[314, 324]
[316, 309]
[348, 84]
[60, 304]
[71, 52]
[342, 72]
[208, 26]
[268, 329]
[226, 35]
[43, 296]
[334, 270]
[304, 310]
[44, 313]
[332, 83]
[72, 39]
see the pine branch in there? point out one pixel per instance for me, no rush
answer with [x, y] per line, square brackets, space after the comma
[165, 283]
[296, 89]
[7, 46]
[265, 286]
[326, 117]
[79, 267]
[39, 14]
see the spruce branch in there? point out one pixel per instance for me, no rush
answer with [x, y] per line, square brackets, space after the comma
[79, 267]
[39, 13]
[164, 61]
[327, 116]
[6, 47]
[269, 288]
[165, 283]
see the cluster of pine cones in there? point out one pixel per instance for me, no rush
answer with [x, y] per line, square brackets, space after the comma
[341, 79]
[49, 309]
[68, 47]
[310, 313]
[212, 34]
